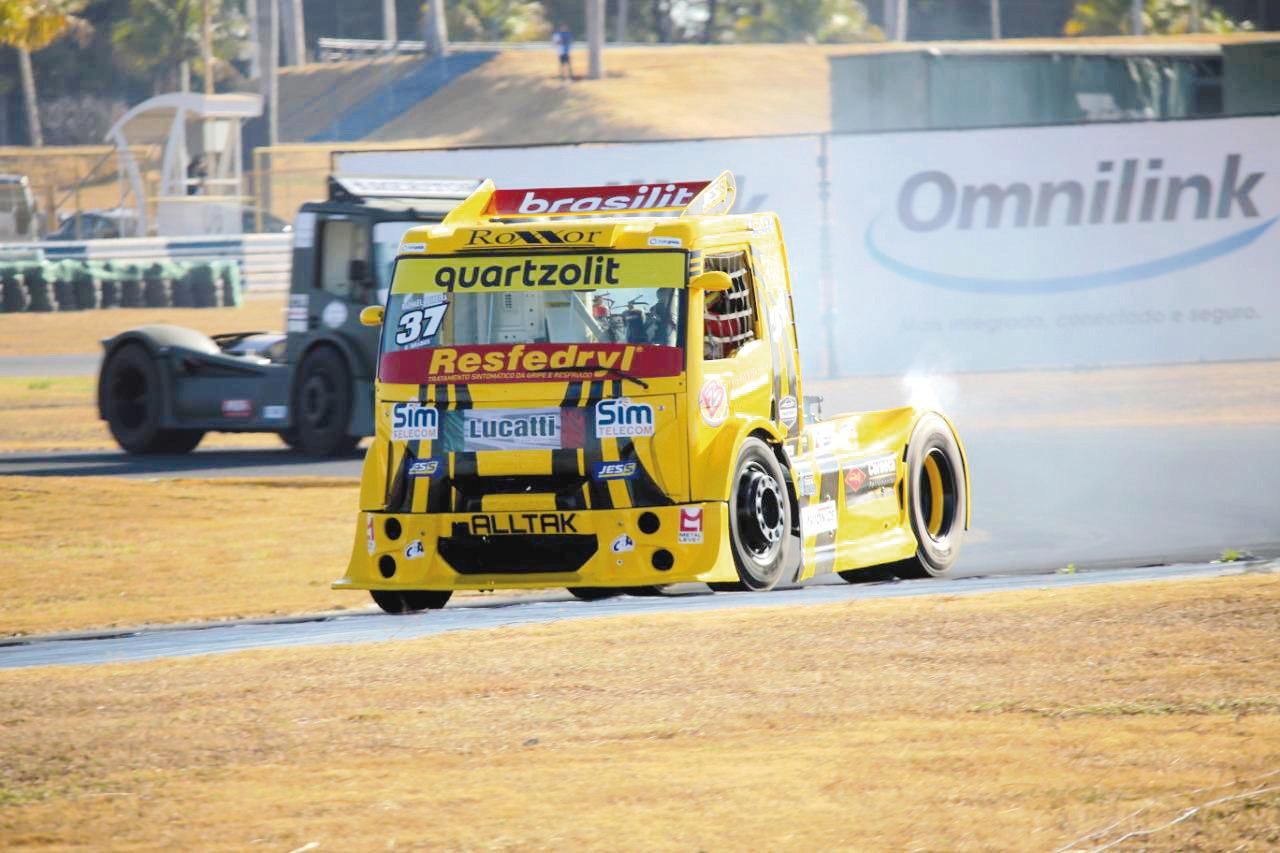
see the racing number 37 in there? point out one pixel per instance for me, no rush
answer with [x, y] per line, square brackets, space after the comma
[420, 323]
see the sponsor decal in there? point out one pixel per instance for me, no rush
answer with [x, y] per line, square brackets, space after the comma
[414, 550]
[808, 484]
[713, 402]
[528, 362]
[334, 314]
[621, 417]
[787, 410]
[512, 523]
[275, 413]
[668, 242]
[371, 538]
[1134, 193]
[615, 470]
[410, 421]
[818, 518]
[868, 477]
[237, 408]
[602, 270]
[413, 247]
[304, 230]
[429, 467]
[623, 544]
[690, 532]
[417, 325]
[295, 316]
[511, 429]
[538, 237]
[568, 200]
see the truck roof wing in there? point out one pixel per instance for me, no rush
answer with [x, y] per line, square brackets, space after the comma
[357, 188]
[488, 202]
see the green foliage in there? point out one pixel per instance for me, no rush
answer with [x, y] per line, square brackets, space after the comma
[159, 35]
[1159, 17]
[496, 20]
[33, 24]
[799, 20]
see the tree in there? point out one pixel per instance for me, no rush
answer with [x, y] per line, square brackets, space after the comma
[801, 20]
[496, 20]
[29, 25]
[159, 35]
[1159, 17]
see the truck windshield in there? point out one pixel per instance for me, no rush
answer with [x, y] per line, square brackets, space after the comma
[535, 318]
[386, 242]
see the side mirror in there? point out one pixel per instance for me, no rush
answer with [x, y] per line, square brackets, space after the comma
[358, 271]
[371, 315]
[713, 281]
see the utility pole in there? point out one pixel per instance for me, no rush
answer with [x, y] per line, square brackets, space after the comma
[34, 132]
[1194, 23]
[295, 33]
[1136, 10]
[437, 29]
[389, 24]
[995, 19]
[595, 39]
[206, 45]
[620, 23]
[900, 21]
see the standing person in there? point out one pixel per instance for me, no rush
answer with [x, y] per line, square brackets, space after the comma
[562, 39]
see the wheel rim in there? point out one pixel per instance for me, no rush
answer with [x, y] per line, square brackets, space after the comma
[317, 401]
[760, 513]
[129, 398]
[937, 489]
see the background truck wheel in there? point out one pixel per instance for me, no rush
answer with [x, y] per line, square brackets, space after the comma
[132, 401]
[935, 498]
[322, 404]
[759, 517]
[290, 438]
[593, 593]
[410, 601]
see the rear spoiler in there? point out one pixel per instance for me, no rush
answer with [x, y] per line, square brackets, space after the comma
[681, 197]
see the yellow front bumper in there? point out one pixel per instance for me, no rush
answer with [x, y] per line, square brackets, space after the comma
[607, 547]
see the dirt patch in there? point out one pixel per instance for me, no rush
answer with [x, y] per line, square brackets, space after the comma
[879, 724]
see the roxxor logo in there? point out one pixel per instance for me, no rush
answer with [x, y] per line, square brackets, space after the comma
[615, 470]
[621, 417]
[414, 421]
[540, 237]
[931, 200]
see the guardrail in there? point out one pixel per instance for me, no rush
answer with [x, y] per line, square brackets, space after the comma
[341, 50]
[264, 258]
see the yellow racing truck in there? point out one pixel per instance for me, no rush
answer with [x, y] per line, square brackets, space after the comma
[599, 388]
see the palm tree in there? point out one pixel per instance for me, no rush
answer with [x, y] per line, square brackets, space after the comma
[159, 35]
[28, 26]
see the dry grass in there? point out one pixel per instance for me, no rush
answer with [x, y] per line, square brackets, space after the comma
[1018, 721]
[99, 551]
[72, 332]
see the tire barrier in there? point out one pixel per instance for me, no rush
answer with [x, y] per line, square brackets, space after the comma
[78, 285]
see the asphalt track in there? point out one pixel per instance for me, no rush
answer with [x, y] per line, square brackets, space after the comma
[373, 627]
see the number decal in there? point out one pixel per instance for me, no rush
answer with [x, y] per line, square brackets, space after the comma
[420, 324]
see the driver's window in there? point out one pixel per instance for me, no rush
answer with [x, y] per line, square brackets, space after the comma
[341, 242]
[729, 318]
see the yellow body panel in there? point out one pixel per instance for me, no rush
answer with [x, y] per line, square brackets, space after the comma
[846, 474]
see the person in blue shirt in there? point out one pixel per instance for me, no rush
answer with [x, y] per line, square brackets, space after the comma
[562, 39]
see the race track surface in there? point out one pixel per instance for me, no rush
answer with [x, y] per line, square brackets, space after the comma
[373, 627]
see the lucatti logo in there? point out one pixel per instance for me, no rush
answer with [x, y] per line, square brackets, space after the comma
[1119, 194]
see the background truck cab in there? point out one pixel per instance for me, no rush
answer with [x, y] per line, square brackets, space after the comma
[573, 391]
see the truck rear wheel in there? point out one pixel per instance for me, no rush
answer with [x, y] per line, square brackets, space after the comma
[131, 399]
[410, 600]
[759, 517]
[936, 496]
[322, 404]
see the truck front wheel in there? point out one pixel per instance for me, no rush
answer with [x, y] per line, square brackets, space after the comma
[322, 404]
[936, 493]
[131, 398]
[759, 517]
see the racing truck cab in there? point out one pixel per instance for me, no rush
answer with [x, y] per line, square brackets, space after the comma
[599, 388]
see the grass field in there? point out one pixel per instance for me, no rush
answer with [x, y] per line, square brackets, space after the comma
[1020, 721]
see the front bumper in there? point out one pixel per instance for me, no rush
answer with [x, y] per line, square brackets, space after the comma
[530, 550]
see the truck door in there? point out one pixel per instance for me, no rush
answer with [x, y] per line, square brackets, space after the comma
[341, 283]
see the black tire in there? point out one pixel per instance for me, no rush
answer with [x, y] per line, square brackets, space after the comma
[156, 292]
[870, 574]
[131, 398]
[322, 404]
[594, 593]
[411, 600]
[37, 289]
[13, 293]
[759, 517]
[936, 495]
[290, 438]
[131, 290]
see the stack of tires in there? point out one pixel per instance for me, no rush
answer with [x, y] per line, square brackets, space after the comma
[75, 285]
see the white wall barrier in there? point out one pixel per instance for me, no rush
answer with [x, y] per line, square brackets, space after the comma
[1087, 245]
[264, 258]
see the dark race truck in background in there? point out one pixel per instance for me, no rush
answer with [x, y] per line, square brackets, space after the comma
[162, 387]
